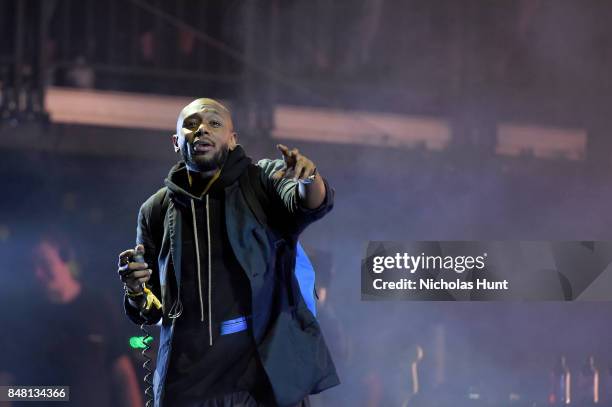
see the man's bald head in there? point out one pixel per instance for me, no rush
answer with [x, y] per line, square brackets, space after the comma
[204, 134]
[201, 105]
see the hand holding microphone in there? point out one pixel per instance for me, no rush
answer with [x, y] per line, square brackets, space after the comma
[134, 273]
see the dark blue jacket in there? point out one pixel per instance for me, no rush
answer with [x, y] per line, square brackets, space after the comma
[289, 340]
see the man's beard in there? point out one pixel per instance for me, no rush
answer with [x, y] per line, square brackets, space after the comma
[200, 163]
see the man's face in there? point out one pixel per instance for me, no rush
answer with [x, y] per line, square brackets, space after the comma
[204, 135]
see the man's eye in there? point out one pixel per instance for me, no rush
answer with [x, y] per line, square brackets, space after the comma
[191, 125]
[215, 123]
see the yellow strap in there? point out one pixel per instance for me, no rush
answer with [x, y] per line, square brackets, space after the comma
[151, 299]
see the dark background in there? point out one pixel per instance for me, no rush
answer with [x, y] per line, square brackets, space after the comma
[473, 63]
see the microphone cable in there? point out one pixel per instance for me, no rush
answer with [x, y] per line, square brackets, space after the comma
[147, 338]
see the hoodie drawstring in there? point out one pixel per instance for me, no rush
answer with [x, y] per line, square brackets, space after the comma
[197, 247]
[209, 273]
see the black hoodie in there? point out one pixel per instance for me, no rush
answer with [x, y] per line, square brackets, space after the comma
[205, 364]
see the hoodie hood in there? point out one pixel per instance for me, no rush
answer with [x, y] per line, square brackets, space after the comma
[177, 181]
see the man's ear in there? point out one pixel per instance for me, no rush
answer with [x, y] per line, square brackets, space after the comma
[233, 142]
[175, 143]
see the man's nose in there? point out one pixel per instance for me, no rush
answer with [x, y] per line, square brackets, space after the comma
[201, 130]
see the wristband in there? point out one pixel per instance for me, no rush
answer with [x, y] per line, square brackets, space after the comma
[310, 179]
[132, 294]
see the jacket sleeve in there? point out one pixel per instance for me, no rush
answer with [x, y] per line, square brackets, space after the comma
[145, 238]
[285, 191]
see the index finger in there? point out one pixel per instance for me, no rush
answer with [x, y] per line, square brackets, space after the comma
[125, 256]
[126, 253]
[283, 149]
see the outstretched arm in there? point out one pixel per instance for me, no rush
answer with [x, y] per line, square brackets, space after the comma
[294, 185]
[311, 188]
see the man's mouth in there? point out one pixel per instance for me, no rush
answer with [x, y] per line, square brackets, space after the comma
[203, 146]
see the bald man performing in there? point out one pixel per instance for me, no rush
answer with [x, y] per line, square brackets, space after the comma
[219, 247]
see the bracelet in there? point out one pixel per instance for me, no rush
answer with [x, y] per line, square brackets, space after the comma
[310, 179]
[132, 294]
